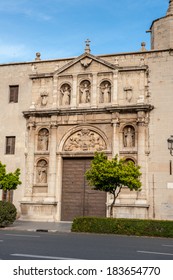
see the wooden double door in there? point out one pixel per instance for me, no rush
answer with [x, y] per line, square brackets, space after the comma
[78, 198]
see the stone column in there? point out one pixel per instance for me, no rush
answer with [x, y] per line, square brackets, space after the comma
[74, 93]
[30, 158]
[52, 160]
[94, 92]
[141, 97]
[115, 134]
[142, 157]
[55, 91]
[115, 88]
[59, 187]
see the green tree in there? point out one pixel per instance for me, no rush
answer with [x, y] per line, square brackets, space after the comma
[9, 181]
[111, 175]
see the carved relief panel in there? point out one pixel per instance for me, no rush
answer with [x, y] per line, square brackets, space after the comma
[85, 140]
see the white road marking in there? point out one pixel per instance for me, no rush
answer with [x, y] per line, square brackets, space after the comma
[167, 245]
[42, 257]
[22, 235]
[155, 253]
[1, 240]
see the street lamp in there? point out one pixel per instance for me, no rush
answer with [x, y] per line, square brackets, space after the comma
[170, 144]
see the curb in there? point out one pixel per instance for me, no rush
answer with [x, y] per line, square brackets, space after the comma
[36, 230]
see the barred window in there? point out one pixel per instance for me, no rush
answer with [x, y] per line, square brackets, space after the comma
[10, 144]
[13, 96]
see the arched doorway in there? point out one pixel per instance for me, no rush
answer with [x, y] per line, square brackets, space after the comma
[78, 198]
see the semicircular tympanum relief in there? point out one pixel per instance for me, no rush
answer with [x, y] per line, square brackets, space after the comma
[85, 140]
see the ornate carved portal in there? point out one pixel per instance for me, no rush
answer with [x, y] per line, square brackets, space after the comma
[85, 140]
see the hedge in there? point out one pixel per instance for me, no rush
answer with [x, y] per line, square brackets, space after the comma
[8, 213]
[138, 227]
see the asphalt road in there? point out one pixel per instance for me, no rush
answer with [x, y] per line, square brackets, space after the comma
[24, 245]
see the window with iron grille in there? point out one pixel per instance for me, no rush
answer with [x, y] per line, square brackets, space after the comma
[10, 144]
[14, 91]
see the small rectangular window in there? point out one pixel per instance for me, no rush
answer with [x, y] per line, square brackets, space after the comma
[10, 145]
[14, 91]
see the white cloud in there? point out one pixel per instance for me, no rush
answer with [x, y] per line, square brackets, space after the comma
[27, 8]
[36, 15]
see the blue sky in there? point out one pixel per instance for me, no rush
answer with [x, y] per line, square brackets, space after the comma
[59, 28]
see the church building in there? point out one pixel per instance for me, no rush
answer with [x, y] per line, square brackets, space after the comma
[55, 114]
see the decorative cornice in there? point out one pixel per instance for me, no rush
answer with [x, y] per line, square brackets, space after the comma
[131, 108]
[133, 68]
[79, 111]
[41, 75]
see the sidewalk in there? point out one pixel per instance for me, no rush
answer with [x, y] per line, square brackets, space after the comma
[40, 226]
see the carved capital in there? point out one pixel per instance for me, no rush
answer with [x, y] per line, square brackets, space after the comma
[142, 118]
[53, 124]
[116, 118]
[31, 123]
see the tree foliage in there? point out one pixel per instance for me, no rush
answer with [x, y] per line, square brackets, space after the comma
[9, 181]
[8, 213]
[111, 175]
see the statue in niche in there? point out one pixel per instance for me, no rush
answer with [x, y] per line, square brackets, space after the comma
[105, 89]
[129, 136]
[43, 140]
[85, 92]
[65, 94]
[41, 176]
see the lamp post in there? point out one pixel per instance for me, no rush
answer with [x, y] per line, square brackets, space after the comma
[170, 144]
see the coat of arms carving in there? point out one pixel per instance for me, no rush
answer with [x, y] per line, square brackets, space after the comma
[86, 62]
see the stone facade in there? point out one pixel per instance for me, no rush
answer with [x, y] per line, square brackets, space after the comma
[70, 108]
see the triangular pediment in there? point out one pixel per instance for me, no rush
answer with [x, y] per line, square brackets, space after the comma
[85, 60]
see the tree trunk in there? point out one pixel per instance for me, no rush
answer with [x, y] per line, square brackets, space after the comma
[115, 195]
[112, 205]
[9, 196]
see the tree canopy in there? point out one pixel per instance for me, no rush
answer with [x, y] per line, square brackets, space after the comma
[9, 181]
[111, 175]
